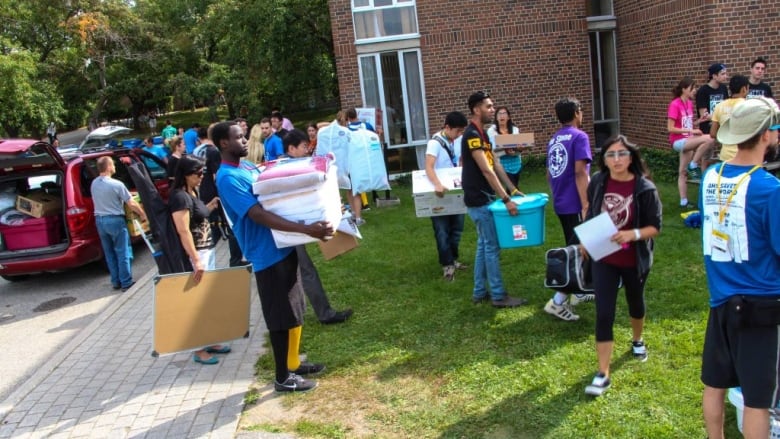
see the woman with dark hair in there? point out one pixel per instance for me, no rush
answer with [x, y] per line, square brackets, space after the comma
[191, 218]
[684, 137]
[311, 130]
[631, 200]
[510, 158]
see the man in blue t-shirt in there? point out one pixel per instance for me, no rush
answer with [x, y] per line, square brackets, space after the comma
[191, 138]
[741, 244]
[276, 269]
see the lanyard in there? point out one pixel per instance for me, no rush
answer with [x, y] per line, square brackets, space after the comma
[482, 135]
[722, 210]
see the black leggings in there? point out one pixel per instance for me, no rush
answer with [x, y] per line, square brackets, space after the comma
[606, 280]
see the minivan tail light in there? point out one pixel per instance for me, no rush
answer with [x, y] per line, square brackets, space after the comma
[78, 219]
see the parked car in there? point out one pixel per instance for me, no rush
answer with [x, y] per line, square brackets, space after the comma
[64, 236]
[103, 137]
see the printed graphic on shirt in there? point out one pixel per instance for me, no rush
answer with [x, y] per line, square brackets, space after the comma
[755, 93]
[687, 121]
[618, 207]
[557, 157]
[475, 143]
[714, 101]
[726, 241]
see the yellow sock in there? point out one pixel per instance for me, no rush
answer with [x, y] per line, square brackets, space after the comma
[293, 347]
[364, 199]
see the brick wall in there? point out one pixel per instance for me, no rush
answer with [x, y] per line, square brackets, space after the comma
[511, 49]
[660, 42]
[527, 54]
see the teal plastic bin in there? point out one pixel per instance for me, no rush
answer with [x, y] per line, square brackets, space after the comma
[526, 229]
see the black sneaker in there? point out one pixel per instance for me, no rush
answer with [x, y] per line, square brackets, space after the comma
[295, 383]
[338, 317]
[307, 368]
[478, 300]
[599, 385]
[509, 302]
[639, 350]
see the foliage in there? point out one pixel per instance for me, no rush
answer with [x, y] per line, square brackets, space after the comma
[418, 359]
[115, 58]
[662, 163]
[27, 106]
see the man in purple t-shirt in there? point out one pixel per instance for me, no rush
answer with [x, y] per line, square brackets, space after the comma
[568, 172]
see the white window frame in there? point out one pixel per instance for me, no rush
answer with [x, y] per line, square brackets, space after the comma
[371, 8]
[380, 83]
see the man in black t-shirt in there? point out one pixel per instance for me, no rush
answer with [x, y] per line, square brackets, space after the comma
[711, 94]
[756, 85]
[481, 185]
[208, 190]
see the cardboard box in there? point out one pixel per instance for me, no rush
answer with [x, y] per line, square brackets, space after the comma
[426, 203]
[338, 245]
[130, 216]
[39, 204]
[522, 140]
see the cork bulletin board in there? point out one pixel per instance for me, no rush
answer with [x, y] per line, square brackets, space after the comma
[189, 316]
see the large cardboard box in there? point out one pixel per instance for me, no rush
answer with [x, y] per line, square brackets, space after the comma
[130, 216]
[338, 245]
[426, 203]
[39, 204]
[507, 141]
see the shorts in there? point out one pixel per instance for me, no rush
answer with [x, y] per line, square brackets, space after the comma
[746, 357]
[281, 294]
[679, 144]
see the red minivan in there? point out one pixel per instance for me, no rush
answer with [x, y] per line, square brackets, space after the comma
[63, 235]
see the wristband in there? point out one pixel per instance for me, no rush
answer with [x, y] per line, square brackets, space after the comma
[637, 235]
[506, 199]
[515, 191]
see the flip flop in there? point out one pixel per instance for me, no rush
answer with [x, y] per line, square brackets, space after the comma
[224, 349]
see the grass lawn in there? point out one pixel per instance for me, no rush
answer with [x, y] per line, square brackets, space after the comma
[418, 359]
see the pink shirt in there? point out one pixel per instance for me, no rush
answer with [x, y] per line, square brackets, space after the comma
[682, 115]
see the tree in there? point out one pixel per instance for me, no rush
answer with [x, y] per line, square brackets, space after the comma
[27, 104]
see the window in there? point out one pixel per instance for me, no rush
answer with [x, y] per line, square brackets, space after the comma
[603, 64]
[392, 82]
[603, 69]
[384, 19]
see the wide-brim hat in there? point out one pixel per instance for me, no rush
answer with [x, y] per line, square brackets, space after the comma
[748, 119]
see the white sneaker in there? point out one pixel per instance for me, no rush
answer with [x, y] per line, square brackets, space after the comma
[598, 386]
[449, 273]
[563, 312]
[576, 299]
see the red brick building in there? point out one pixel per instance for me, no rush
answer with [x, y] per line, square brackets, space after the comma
[419, 59]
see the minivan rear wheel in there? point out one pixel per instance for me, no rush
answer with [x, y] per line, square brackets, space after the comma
[17, 278]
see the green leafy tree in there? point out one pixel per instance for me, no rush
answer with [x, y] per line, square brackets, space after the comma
[26, 102]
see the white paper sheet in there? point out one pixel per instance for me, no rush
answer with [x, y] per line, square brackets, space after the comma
[595, 235]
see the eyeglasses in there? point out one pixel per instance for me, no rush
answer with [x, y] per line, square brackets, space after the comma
[617, 154]
[198, 173]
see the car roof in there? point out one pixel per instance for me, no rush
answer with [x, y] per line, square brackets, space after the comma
[28, 154]
[108, 131]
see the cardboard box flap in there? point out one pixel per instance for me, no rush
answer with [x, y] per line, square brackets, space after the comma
[522, 140]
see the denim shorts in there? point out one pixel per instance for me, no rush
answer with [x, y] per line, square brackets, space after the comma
[679, 144]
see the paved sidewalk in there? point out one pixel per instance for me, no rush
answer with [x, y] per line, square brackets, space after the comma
[105, 384]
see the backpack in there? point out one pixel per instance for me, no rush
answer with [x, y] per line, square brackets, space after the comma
[567, 270]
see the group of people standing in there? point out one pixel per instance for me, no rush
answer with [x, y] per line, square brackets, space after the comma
[620, 188]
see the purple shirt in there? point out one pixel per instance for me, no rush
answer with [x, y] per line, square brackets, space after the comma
[566, 146]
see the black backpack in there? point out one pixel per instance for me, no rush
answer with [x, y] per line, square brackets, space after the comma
[567, 270]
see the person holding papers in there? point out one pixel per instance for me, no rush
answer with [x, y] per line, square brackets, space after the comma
[631, 200]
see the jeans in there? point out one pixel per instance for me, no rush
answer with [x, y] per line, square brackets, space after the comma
[447, 230]
[487, 266]
[115, 240]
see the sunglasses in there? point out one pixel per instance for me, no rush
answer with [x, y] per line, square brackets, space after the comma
[617, 154]
[198, 173]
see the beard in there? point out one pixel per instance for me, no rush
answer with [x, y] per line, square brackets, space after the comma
[485, 118]
[770, 153]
